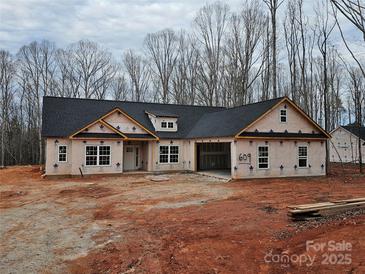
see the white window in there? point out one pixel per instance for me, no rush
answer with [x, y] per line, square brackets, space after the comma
[97, 156]
[174, 154]
[62, 153]
[91, 156]
[164, 154]
[283, 116]
[163, 124]
[169, 154]
[303, 156]
[263, 157]
[170, 125]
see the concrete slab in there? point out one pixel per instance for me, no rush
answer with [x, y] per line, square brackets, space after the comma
[224, 174]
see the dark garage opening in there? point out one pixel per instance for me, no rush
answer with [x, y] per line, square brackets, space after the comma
[213, 156]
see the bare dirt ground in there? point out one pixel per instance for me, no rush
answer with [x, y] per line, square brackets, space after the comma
[189, 224]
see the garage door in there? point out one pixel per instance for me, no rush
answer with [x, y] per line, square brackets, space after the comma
[214, 156]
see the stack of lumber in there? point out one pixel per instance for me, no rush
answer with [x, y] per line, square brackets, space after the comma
[318, 210]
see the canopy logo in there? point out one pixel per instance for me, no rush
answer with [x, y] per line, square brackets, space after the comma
[330, 253]
[285, 259]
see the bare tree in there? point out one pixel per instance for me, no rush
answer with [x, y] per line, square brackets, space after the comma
[7, 73]
[325, 27]
[36, 69]
[184, 80]
[161, 47]
[210, 28]
[119, 88]
[94, 68]
[243, 51]
[69, 80]
[292, 47]
[354, 11]
[265, 76]
[138, 73]
[357, 87]
[273, 6]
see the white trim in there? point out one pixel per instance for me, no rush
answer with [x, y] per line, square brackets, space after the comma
[268, 157]
[178, 154]
[98, 155]
[307, 157]
[169, 154]
[286, 115]
[58, 153]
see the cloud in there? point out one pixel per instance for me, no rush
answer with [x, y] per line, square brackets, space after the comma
[115, 24]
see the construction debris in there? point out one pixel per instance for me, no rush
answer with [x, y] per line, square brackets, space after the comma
[319, 210]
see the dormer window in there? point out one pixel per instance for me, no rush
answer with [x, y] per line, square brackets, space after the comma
[283, 116]
[163, 121]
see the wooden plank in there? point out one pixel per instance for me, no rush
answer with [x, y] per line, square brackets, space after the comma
[331, 207]
[306, 206]
[350, 200]
[341, 208]
[317, 205]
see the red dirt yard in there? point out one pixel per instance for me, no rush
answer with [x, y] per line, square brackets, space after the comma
[188, 224]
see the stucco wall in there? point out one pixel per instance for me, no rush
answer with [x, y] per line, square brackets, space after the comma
[52, 157]
[154, 152]
[98, 128]
[76, 157]
[344, 147]
[125, 124]
[295, 121]
[285, 154]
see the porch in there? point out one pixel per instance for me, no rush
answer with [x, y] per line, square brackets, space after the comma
[135, 156]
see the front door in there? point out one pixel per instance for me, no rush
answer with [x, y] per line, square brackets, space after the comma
[131, 157]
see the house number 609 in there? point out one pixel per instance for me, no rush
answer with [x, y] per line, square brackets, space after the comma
[244, 157]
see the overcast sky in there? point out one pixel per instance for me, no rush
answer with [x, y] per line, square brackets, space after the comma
[115, 24]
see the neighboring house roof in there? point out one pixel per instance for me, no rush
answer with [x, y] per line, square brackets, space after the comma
[355, 130]
[63, 117]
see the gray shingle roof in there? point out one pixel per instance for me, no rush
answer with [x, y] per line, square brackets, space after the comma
[230, 121]
[160, 113]
[64, 116]
[355, 130]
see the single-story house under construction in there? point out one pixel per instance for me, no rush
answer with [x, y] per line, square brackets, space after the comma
[272, 138]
